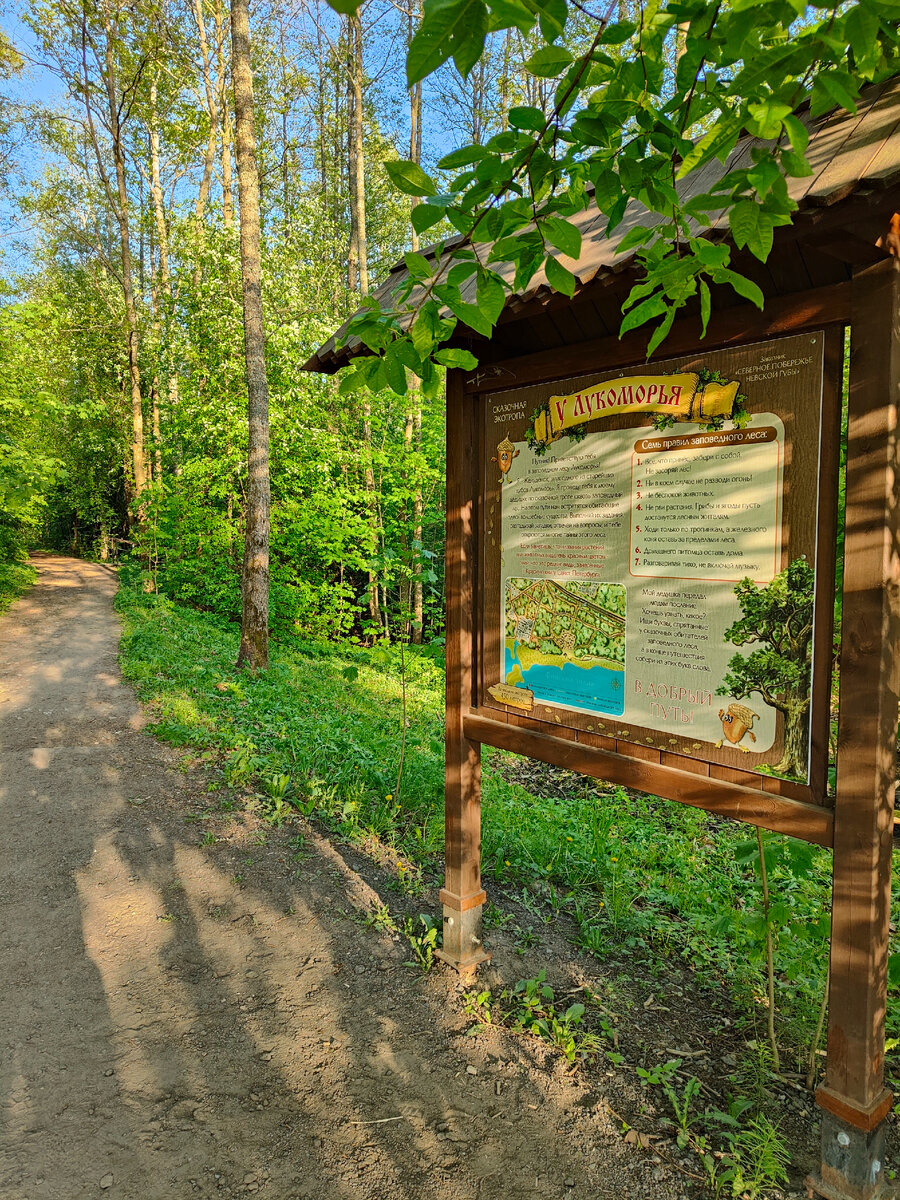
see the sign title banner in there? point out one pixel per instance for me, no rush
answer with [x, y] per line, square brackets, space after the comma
[686, 396]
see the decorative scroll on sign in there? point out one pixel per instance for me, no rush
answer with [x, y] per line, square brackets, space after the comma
[686, 397]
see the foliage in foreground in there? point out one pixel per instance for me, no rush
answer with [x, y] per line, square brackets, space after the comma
[640, 109]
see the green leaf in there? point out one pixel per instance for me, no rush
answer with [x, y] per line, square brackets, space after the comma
[598, 129]
[832, 88]
[408, 177]
[468, 44]
[705, 306]
[418, 265]
[635, 237]
[653, 306]
[457, 358]
[767, 119]
[743, 220]
[552, 15]
[549, 61]
[861, 28]
[470, 314]
[426, 329]
[345, 7]
[717, 143]
[460, 272]
[462, 157]
[395, 372]
[512, 14]
[741, 284]
[527, 118]
[607, 190]
[562, 234]
[751, 227]
[423, 216]
[559, 277]
[615, 35]
[491, 295]
[798, 133]
[350, 381]
[437, 38]
[796, 165]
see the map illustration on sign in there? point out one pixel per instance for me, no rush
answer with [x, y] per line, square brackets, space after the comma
[565, 641]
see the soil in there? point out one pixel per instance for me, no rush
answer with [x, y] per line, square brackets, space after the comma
[183, 1016]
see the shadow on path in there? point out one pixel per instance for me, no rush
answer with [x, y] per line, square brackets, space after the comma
[183, 1019]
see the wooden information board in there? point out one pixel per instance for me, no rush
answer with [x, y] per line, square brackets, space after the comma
[640, 586]
[657, 556]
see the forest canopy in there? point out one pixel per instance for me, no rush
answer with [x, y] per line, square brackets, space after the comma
[379, 126]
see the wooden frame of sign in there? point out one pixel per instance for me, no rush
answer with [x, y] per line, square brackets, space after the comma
[511, 596]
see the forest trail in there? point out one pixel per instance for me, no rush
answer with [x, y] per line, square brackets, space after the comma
[186, 1019]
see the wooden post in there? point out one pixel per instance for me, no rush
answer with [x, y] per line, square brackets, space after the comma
[462, 895]
[854, 1099]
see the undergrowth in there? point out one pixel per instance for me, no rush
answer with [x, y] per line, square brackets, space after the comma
[15, 580]
[320, 732]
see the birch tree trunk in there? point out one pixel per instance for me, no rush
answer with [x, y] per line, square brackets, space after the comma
[212, 109]
[120, 206]
[357, 154]
[227, 136]
[254, 650]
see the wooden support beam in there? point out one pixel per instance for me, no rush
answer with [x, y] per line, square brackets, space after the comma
[810, 822]
[854, 1096]
[462, 895]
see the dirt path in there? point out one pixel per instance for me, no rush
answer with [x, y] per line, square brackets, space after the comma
[183, 1018]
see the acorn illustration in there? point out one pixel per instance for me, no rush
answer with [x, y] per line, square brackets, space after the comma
[737, 720]
[506, 452]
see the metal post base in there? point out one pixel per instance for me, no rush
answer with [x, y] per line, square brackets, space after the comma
[852, 1163]
[462, 947]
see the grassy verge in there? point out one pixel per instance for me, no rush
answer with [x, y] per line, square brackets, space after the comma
[321, 731]
[15, 580]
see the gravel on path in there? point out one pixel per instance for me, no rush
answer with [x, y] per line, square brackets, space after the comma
[181, 1018]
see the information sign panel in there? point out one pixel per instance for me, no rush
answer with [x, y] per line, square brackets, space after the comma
[650, 552]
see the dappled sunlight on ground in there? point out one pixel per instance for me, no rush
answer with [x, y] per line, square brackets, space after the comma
[193, 1009]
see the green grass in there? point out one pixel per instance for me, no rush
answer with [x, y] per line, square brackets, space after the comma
[15, 580]
[639, 876]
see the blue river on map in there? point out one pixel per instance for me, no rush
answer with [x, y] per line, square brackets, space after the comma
[600, 689]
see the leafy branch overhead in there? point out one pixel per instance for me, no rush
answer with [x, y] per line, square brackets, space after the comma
[639, 109]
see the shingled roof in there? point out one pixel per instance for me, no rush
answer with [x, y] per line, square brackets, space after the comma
[854, 157]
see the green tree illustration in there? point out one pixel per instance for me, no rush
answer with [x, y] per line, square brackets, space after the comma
[779, 617]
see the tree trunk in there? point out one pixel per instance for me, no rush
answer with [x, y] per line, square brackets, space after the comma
[796, 740]
[227, 188]
[358, 267]
[254, 650]
[139, 462]
[164, 289]
[357, 154]
[213, 111]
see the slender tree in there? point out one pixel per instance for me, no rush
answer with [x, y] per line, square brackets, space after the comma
[100, 76]
[254, 649]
